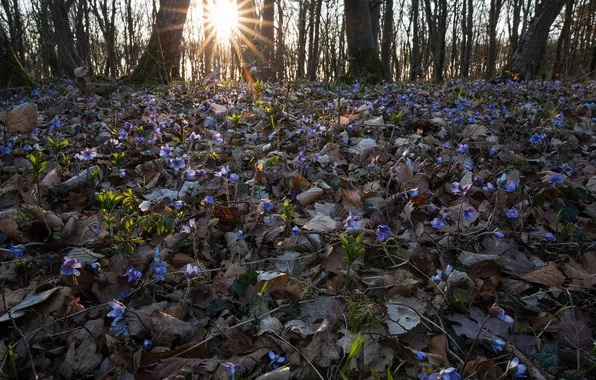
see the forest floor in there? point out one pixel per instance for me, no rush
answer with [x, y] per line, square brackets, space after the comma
[246, 231]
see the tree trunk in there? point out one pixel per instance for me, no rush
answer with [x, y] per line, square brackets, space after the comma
[493, 20]
[387, 39]
[375, 20]
[469, 32]
[13, 74]
[82, 33]
[63, 39]
[279, 48]
[364, 59]
[414, 59]
[561, 54]
[514, 28]
[208, 39]
[268, 34]
[437, 29]
[528, 58]
[313, 58]
[301, 39]
[157, 63]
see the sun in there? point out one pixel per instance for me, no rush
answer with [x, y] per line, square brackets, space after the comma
[223, 16]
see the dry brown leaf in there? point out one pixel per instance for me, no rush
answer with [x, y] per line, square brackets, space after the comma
[351, 200]
[437, 345]
[578, 275]
[22, 118]
[549, 275]
[80, 360]
[321, 224]
[165, 328]
[309, 196]
[224, 280]
[574, 331]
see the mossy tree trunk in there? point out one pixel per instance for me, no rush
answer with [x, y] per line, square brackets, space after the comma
[12, 73]
[364, 62]
[160, 57]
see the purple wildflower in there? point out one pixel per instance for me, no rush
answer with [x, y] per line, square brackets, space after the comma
[383, 233]
[70, 266]
[516, 369]
[438, 223]
[133, 274]
[512, 213]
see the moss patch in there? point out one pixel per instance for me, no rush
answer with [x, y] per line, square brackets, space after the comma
[366, 67]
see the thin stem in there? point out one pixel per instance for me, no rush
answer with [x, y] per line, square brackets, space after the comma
[474, 342]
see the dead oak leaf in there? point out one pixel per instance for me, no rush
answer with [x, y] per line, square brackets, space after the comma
[549, 275]
[80, 360]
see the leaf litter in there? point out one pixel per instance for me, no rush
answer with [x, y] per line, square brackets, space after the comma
[192, 230]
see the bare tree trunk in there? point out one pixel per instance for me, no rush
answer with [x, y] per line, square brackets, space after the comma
[560, 64]
[364, 59]
[414, 59]
[62, 38]
[313, 58]
[375, 20]
[160, 55]
[82, 33]
[528, 58]
[387, 39]
[469, 34]
[13, 74]
[279, 49]
[208, 39]
[437, 28]
[301, 39]
[513, 26]
[268, 34]
[493, 20]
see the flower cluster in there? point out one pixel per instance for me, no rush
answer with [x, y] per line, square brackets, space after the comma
[158, 266]
[118, 312]
[70, 267]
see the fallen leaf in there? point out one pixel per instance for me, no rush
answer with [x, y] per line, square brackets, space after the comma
[309, 196]
[549, 275]
[80, 360]
[30, 300]
[403, 314]
[321, 224]
[22, 118]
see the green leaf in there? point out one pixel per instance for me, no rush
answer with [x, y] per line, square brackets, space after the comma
[548, 356]
[567, 213]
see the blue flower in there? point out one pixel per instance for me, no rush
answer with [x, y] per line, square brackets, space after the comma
[301, 157]
[512, 213]
[239, 233]
[438, 223]
[556, 179]
[118, 311]
[267, 205]
[178, 205]
[192, 271]
[421, 356]
[231, 368]
[147, 345]
[469, 213]
[431, 208]
[516, 369]
[352, 221]
[537, 138]
[443, 276]
[413, 192]
[234, 178]
[190, 174]
[445, 374]
[177, 164]
[133, 274]
[497, 345]
[207, 201]
[550, 237]
[223, 172]
[383, 233]
[121, 173]
[165, 151]
[158, 266]
[295, 231]
[499, 313]
[55, 123]
[499, 234]
[463, 148]
[217, 138]
[17, 250]
[275, 360]
[511, 186]
[70, 266]
[86, 155]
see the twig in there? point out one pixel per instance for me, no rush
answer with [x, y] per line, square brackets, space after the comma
[532, 370]
[14, 324]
